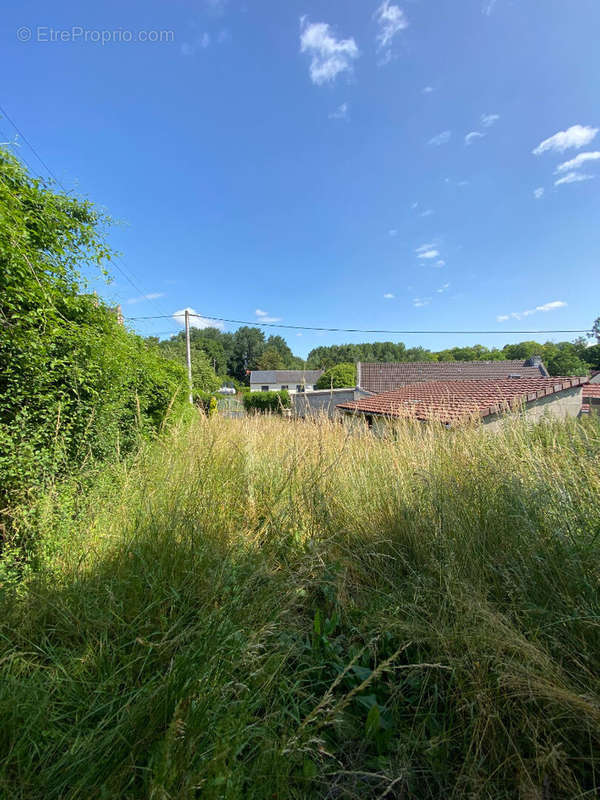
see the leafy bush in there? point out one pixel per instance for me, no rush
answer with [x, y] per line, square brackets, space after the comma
[273, 402]
[337, 377]
[76, 386]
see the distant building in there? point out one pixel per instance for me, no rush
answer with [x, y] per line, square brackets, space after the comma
[293, 380]
[454, 402]
[376, 378]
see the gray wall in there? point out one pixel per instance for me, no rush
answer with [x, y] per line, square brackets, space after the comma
[323, 401]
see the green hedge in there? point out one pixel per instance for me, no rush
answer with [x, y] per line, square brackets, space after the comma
[265, 402]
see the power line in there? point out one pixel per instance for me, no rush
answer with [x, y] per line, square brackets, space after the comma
[32, 148]
[49, 171]
[256, 323]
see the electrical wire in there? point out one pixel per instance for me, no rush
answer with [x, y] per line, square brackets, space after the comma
[256, 323]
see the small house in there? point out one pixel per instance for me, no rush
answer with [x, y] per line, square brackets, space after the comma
[292, 380]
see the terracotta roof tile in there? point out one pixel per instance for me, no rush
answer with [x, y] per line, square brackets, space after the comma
[591, 390]
[451, 401]
[385, 377]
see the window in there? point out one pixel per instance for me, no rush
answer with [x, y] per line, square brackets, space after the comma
[299, 387]
[264, 388]
[284, 386]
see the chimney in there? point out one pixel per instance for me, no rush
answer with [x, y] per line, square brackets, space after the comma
[536, 361]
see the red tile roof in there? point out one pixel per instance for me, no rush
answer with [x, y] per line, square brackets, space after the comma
[385, 377]
[591, 390]
[451, 401]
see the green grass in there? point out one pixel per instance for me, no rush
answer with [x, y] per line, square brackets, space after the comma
[265, 609]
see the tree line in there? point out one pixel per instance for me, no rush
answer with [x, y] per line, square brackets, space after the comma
[219, 357]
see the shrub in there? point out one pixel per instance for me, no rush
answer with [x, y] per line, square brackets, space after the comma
[76, 386]
[337, 377]
[265, 402]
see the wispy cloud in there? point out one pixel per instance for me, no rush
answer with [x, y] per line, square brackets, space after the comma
[141, 298]
[389, 296]
[428, 90]
[264, 316]
[216, 7]
[427, 213]
[487, 120]
[488, 7]
[471, 137]
[392, 232]
[539, 192]
[196, 321]
[440, 263]
[443, 288]
[391, 20]
[576, 136]
[553, 306]
[341, 112]
[419, 302]
[427, 251]
[201, 42]
[441, 138]
[573, 177]
[578, 161]
[329, 57]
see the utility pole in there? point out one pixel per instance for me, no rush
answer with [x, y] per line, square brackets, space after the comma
[188, 354]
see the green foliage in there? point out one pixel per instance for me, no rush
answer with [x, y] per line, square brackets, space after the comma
[75, 385]
[337, 377]
[273, 402]
[263, 609]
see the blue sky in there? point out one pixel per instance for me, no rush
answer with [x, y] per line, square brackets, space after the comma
[364, 164]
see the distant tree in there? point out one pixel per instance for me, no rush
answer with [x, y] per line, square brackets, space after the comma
[271, 358]
[596, 329]
[522, 350]
[337, 377]
[566, 362]
[248, 346]
[591, 356]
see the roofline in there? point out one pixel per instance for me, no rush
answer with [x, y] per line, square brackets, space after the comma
[486, 411]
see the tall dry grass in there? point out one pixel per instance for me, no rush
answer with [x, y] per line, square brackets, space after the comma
[261, 608]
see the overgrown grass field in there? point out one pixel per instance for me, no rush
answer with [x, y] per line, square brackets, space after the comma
[261, 608]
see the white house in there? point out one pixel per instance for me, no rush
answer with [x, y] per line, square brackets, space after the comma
[274, 380]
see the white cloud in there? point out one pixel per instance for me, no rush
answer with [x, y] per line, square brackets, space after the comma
[576, 136]
[389, 296]
[487, 120]
[392, 232]
[470, 137]
[391, 20]
[443, 288]
[539, 192]
[488, 7]
[573, 177]
[575, 163]
[151, 296]
[428, 90]
[553, 306]
[341, 112]
[429, 254]
[196, 321]
[423, 247]
[427, 213]
[264, 316]
[329, 57]
[419, 302]
[441, 138]
[440, 263]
